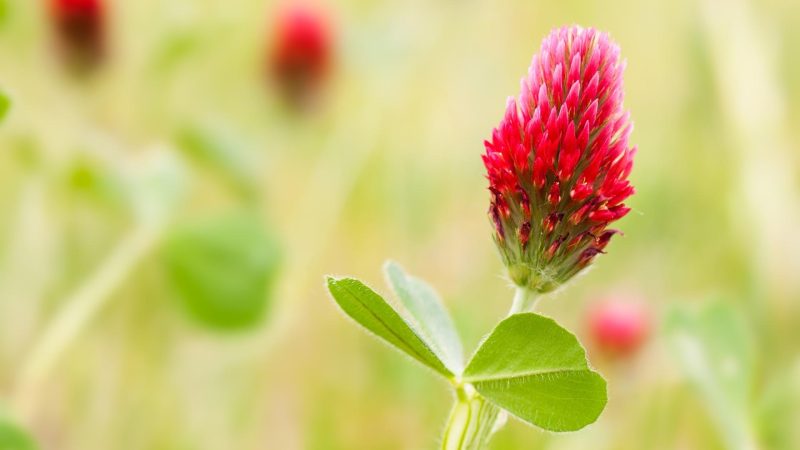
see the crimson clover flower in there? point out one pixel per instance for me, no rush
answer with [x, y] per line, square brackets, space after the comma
[559, 161]
[301, 56]
[80, 30]
[618, 327]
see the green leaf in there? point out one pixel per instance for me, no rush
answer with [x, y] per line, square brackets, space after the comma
[715, 350]
[372, 312]
[157, 183]
[91, 179]
[428, 315]
[223, 269]
[174, 49]
[777, 412]
[5, 13]
[13, 437]
[5, 105]
[537, 371]
[221, 149]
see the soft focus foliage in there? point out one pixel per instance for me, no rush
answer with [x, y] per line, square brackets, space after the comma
[387, 165]
[223, 268]
[13, 437]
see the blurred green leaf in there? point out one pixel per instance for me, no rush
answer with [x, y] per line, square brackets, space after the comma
[218, 149]
[223, 269]
[715, 350]
[13, 437]
[372, 312]
[5, 105]
[92, 179]
[4, 13]
[537, 370]
[27, 151]
[778, 410]
[174, 48]
[429, 315]
[157, 182]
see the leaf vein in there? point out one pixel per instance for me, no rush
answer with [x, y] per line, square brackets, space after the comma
[529, 374]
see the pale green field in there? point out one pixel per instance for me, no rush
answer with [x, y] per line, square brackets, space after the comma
[387, 166]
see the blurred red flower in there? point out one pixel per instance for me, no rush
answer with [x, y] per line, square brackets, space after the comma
[618, 327]
[300, 59]
[80, 30]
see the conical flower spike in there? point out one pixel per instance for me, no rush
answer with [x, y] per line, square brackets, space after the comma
[559, 161]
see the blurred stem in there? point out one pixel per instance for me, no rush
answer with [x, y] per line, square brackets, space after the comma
[472, 421]
[78, 310]
[524, 300]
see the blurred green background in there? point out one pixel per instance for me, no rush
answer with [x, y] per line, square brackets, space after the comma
[174, 193]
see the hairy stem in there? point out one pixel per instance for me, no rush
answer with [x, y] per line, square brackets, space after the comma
[524, 300]
[472, 421]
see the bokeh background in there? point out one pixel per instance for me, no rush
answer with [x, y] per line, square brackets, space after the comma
[166, 219]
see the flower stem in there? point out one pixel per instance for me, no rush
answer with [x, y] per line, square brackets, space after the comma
[524, 300]
[79, 309]
[472, 421]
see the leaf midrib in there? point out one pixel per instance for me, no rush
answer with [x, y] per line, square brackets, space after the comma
[529, 374]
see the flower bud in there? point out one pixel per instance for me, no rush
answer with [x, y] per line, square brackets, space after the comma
[618, 327]
[301, 54]
[79, 27]
[559, 161]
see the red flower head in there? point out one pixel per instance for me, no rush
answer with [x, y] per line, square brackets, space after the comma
[80, 28]
[618, 327]
[301, 56]
[558, 163]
